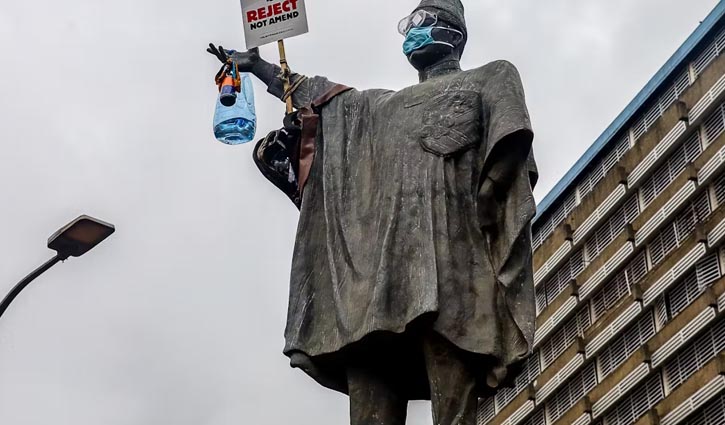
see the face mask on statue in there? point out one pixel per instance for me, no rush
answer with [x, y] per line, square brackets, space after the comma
[418, 38]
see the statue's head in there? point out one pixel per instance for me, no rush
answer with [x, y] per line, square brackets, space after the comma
[435, 31]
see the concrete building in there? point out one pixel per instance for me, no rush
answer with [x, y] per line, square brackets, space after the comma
[629, 263]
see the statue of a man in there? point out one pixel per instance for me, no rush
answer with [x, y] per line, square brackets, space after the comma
[412, 274]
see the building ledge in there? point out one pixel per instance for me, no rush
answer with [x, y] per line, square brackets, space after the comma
[671, 267]
[677, 332]
[557, 365]
[668, 203]
[628, 310]
[620, 390]
[553, 309]
[620, 373]
[692, 96]
[517, 415]
[689, 318]
[688, 397]
[582, 407]
[519, 402]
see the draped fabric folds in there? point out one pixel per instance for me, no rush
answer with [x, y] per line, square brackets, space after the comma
[390, 234]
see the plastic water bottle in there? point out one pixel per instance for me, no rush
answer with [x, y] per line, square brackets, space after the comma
[237, 124]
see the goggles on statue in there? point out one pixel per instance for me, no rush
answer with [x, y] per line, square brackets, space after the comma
[417, 19]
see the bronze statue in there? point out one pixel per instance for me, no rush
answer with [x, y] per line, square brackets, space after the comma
[412, 274]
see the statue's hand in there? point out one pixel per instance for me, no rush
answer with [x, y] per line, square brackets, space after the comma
[246, 61]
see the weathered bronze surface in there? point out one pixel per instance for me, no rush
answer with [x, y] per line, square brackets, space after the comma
[412, 276]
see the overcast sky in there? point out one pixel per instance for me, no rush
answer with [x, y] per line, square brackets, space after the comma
[178, 318]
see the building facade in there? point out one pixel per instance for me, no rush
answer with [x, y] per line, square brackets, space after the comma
[629, 261]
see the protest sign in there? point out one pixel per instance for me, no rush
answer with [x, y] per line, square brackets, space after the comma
[267, 21]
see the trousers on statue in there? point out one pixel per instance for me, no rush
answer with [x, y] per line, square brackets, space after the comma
[376, 399]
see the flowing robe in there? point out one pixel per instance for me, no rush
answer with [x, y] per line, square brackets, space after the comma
[391, 230]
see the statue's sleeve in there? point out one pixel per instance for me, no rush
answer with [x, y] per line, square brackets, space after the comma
[508, 158]
[305, 89]
[509, 131]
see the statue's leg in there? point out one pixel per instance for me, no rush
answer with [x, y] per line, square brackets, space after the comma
[374, 399]
[452, 383]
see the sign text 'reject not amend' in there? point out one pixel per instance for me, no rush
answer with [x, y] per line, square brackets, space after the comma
[266, 21]
[271, 11]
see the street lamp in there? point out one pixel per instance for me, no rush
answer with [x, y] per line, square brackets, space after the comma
[75, 239]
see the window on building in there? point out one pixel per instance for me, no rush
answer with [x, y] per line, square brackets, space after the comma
[639, 129]
[674, 233]
[619, 287]
[663, 244]
[601, 169]
[714, 125]
[712, 413]
[718, 188]
[559, 215]
[573, 391]
[625, 344]
[637, 403]
[528, 373]
[611, 228]
[709, 54]
[547, 293]
[692, 285]
[659, 107]
[661, 315]
[681, 83]
[564, 337]
[486, 411]
[694, 356]
[670, 169]
[539, 235]
[704, 59]
[537, 418]
[694, 213]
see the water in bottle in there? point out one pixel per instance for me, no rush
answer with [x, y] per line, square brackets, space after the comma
[236, 124]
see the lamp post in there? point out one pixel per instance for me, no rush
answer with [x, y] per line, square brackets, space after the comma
[75, 239]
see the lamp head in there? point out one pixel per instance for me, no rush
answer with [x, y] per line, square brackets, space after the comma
[80, 236]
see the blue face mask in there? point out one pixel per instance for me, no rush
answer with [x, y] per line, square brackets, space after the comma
[417, 38]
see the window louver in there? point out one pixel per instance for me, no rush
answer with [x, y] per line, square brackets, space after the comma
[624, 345]
[672, 235]
[672, 167]
[706, 57]
[640, 400]
[559, 281]
[486, 411]
[573, 391]
[611, 228]
[714, 125]
[528, 373]
[719, 189]
[713, 413]
[695, 355]
[692, 285]
[537, 418]
[619, 286]
[564, 337]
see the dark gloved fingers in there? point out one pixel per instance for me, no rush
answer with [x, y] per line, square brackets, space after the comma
[218, 52]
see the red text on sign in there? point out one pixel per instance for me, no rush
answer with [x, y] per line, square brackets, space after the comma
[271, 10]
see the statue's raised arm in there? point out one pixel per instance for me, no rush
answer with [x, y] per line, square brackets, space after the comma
[303, 90]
